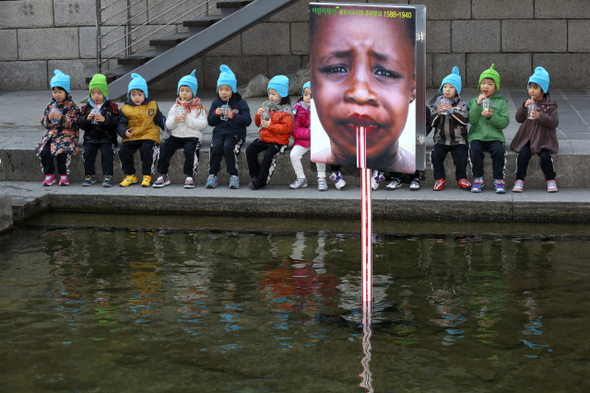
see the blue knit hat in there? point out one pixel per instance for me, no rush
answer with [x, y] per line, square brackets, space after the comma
[454, 79]
[306, 85]
[541, 78]
[137, 82]
[227, 77]
[281, 84]
[61, 80]
[189, 81]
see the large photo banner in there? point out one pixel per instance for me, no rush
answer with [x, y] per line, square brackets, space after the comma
[368, 101]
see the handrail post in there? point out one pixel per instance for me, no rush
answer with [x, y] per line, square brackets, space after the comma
[98, 37]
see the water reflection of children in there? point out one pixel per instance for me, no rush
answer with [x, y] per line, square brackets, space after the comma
[362, 70]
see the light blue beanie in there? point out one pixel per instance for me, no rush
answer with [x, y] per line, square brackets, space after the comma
[61, 80]
[137, 82]
[454, 79]
[541, 78]
[281, 84]
[189, 81]
[306, 85]
[227, 77]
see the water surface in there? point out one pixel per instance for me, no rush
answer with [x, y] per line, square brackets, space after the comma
[139, 304]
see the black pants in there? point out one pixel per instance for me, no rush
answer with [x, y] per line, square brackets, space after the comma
[269, 162]
[63, 161]
[228, 147]
[460, 154]
[107, 151]
[476, 155]
[148, 151]
[523, 158]
[191, 154]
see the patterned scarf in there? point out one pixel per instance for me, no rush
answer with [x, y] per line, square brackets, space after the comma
[193, 103]
[276, 107]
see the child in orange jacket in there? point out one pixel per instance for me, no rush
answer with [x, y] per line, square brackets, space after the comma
[276, 122]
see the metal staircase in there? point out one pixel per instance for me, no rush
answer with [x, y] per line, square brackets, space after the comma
[172, 51]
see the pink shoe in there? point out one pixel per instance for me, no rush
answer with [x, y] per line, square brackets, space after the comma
[49, 180]
[551, 186]
[64, 180]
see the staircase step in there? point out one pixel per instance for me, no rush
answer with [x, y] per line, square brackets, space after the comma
[197, 25]
[228, 7]
[205, 21]
[170, 40]
[114, 73]
[138, 58]
[233, 4]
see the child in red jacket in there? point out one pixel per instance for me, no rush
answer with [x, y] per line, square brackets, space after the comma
[276, 122]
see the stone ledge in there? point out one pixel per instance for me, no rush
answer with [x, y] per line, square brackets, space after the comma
[570, 205]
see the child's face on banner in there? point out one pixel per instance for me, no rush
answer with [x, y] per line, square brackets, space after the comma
[363, 75]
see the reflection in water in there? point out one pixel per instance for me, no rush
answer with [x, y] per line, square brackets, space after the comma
[245, 311]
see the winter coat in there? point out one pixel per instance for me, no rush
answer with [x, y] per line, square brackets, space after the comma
[449, 129]
[279, 131]
[193, 127]
[145, 121]
[492, 129]
[301, 132]
[64, 135]
[237, 125]
[100, 132]
[541, 133]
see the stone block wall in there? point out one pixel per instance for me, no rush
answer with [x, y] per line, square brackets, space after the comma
[517, 35]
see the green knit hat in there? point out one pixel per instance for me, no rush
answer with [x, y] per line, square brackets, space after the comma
[492, 74]
[99, 81]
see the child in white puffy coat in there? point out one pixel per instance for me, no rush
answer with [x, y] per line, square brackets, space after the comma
[185, 122]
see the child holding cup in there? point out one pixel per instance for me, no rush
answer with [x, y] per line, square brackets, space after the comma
[60, 139]
[99, 120]
[185, 122]
[450, 131]
[487, 131]
[229, 115]
[274, 132]
[538, 131]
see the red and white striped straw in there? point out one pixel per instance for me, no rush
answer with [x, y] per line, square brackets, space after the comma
[361, 147]
[366, 236]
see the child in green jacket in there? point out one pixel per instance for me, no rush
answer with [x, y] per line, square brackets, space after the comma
[488, 116]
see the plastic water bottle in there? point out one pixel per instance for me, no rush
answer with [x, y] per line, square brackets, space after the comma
[55, 111]
[94, 112]
[532, 107]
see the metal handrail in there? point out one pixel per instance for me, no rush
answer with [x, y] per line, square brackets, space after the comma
[161, 27]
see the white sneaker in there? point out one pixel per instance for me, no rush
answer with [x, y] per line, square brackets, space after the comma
[376, 178]
[322, 184]
[395, 183]
[299, 183]
[415, 185]
[338, 179]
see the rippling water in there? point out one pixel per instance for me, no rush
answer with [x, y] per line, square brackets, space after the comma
[138, 309]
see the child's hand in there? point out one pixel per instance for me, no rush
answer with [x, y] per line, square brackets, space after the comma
[128, 133]
[180, 119]
[265, 123]
[89, 117]
[487, 114]
[444, 107]
[217, 112]
[534, 115]
[99, 118]
[260, 112]
[529, 102]
[481, 98]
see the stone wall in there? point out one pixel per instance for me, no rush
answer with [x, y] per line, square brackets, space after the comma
[517, 35]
